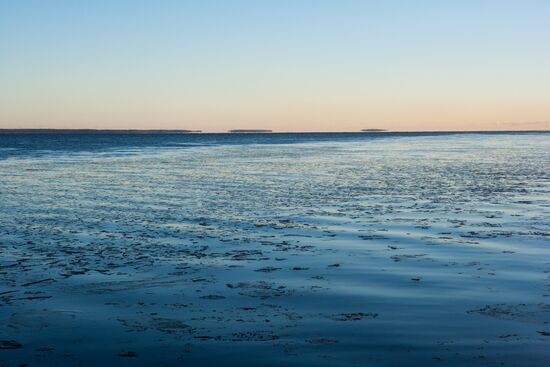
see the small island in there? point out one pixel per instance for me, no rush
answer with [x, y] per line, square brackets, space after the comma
[245, 131]
[373, 130]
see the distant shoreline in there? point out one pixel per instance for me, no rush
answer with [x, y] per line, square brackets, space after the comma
[264, 132]
[95, 131]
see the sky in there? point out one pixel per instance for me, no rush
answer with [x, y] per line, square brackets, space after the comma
[285, 65]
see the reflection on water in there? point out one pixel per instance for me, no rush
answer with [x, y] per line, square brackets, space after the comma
[322, 250]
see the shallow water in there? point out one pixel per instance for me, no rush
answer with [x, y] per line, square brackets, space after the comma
[247, 250]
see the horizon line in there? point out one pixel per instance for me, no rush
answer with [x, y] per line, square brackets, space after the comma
[246, 131]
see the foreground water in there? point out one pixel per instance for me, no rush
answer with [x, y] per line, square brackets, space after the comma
[316, 249]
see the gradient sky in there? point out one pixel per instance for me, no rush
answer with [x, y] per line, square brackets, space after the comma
[286, 65]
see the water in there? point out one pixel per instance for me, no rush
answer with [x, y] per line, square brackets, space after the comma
[279, 249]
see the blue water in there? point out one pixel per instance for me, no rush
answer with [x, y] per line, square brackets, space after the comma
[15, 145]
[393, 249]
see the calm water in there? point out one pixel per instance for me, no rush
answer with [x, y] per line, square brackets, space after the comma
[281, 249]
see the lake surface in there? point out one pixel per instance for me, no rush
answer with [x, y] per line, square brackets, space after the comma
[392, 249]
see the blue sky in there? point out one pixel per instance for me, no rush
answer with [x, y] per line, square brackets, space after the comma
[286, 65]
